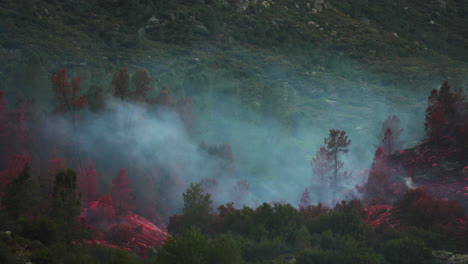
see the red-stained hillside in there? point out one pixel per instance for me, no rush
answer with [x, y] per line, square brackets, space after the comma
[438, 169]
[131, 231]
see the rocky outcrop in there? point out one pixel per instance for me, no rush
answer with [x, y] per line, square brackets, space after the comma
[445, 257]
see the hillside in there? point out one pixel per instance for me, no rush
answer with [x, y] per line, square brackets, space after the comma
[390, 43]
[233, 131]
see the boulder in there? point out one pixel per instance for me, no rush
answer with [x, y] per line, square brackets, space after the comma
[153, 20]
[320, 5]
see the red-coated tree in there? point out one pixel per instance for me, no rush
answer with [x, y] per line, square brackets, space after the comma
[141, 81]
[450, 101]
[224, 156]
[120, 84]
[149, 205]
[313, 211]
[164, 98]
[67, 94]
[209, 185]
[121, 193]
[87, 182]
[436, 124]
[336, 143]
[184, 107]
[419, 208]
[321, 166]
[240, 191]
[14, 167]
[305, 199]
[390, 134]
[378, 186]
[444, 109]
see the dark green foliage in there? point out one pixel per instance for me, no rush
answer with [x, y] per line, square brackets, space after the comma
[18, 197]
[196, 201]
[266, 222]
[340, 250]
[194, 248]
[224, 250]
[66, 204]
[44, 256]
[420, 209]
[302, 238]
[265, 249]
[197, 211]
[100, 254]
[191, 248]
[41, 228]
[343, 223]
[407, 251]
[6, 256]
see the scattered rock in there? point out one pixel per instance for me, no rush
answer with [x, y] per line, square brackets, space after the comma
[442, 4]
[173, 17]
[265, 4]
[320, 5]
[141, 33]
[6, 235]
[431, 22]
[395, 34]
[445, 257]
[35, 245]
[334, 33]
[202, 29]
[153, 20]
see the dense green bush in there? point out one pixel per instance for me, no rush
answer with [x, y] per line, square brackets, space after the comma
[5, 254]
[195, 248]
[40, 228]
[407, 251]
[349, 223]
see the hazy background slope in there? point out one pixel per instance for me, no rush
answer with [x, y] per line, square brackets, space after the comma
[261, 73]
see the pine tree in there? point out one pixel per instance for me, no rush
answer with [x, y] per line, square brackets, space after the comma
[197, 208]
[67, 94]
[436, 123]
[336, 143]
[379, 186]
[66, 204]
[321, 166]
[390, 135]
[121, 193]
[87, 182]
[120, 84]
[17, 200]
[141, 81]
[305, 199]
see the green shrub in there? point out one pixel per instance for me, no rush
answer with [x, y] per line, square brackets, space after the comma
[224, 250]
[5, 254]
[43, 256]
[41, 228]
[191, 248]
[101, 254]
[343, 223]
[407, 251]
